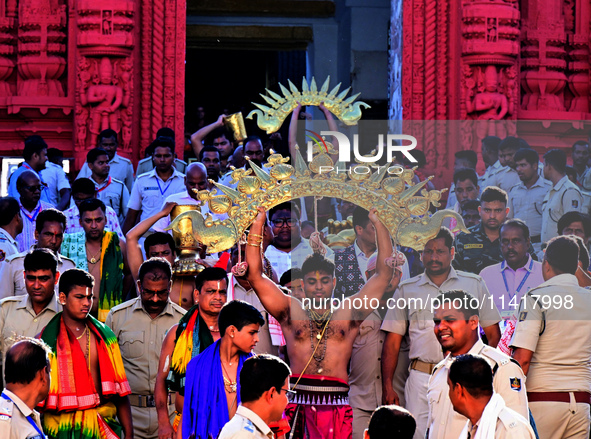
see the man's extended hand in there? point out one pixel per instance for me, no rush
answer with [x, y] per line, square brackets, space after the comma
[389, 395]
[168, 208]
[165, 431]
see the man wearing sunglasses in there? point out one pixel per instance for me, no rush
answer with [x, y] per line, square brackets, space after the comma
[288, 249]
[29, 187]
[140, 325]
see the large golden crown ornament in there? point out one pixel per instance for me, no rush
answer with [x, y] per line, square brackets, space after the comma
[401, 205]
[271, 118]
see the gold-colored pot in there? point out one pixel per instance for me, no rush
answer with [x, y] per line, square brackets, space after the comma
[187, 246]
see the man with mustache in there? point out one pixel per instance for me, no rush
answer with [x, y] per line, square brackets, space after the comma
[196, 331]
[525, 198]
[456, 329]
[101, 253]
[481, 247]
[417, 318]
[140, 325]
[509, 280]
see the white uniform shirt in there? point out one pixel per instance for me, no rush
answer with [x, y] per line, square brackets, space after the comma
[8, 245]
[282, 261]
[150, 191]
[121, 169]
[526, 204]
[564, 197]
[115, 195]
[56, 180]
[246, 424]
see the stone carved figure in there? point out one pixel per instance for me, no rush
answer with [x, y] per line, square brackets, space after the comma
[491, 30]
[489, 102]
[106, 99]
[107, 28]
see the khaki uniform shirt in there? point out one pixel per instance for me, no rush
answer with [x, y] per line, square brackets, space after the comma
[365, 376]
[8, 245]
[413, 300]
[246, 424]
[12, 277]
[526, 204]
[264, 346]
[559, 335]
[18, 318]
[140, 340]
[510, 425]
[13, 419]
[564, 197]
[508, 381]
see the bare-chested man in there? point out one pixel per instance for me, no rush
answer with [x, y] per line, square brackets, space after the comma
[319, 341]
[99, 252]
[89, 388]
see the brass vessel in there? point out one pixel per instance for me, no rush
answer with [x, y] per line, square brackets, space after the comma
[187, 246]
[235, 123]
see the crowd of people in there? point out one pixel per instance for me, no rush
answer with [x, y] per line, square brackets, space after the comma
[484, 334]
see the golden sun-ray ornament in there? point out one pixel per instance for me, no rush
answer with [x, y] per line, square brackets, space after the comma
[402, 206]
[271, 118]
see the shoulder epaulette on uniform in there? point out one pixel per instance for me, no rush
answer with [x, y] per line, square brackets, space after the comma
[15, 256]
[500, 358]
[114, 180]
[509, 419]
[144, 175]
[124, 159]
[180, 161]
[123, 305]
[178, 308]
[468, 274]
[11, 299]
[65, 258]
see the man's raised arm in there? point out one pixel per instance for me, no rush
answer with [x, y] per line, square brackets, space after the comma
[135, 258]
[377, 284]
[198, 136]
[273, 299]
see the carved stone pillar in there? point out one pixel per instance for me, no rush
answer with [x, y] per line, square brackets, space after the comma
[543, 55]
[41, 48]
[490, 48]
[7, 51]
[104, 73]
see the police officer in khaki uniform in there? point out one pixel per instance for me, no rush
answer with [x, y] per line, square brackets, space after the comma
[49, 233]
[140, 326]
[413, 312]
[27, 384]
[552, 343]
[27, 315]
[565, 196]
[11, 224]
[471, 392]
[456, 329]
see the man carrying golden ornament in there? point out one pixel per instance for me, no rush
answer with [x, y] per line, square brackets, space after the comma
[319, 338]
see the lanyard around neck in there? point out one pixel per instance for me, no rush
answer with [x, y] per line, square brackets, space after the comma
[29, 418]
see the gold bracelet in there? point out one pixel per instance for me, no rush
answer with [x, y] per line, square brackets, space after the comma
[254, 241]
[255, 235]
[254, 245]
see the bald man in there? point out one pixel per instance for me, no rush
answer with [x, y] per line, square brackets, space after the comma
[195, 180]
